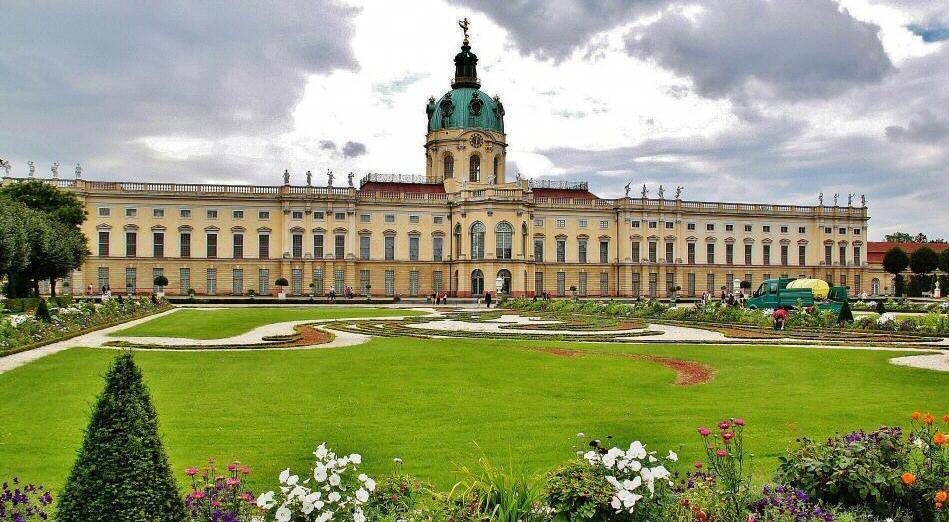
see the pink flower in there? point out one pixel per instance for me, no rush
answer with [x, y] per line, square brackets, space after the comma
[739, 421]
[192, 471]
[233, 481]
[728, 435]
[721, 453]
[705, 432]
[245, 470]
[248, 497]
[216, 503]
[698, 465]
[724, 425]
[198, 495]
[232, 467]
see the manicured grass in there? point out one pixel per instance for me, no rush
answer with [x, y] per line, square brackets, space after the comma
[195, 323]
[440, 403]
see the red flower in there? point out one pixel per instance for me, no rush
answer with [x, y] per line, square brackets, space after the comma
[721, 453]
[192, 472]
[739, 421]
[698, 465]
[705, 432]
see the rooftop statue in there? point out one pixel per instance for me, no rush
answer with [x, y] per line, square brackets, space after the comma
[78, 171]
[5, 165]
[678, 193]
[286, 176]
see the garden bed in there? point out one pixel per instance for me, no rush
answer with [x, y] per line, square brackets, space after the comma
[304, 335]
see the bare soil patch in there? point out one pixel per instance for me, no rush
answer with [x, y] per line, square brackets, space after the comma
[688, 373]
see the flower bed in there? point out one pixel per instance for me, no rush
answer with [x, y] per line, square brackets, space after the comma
[21, 332]
[305, 335]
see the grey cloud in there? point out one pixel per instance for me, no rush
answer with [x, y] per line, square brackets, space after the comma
[555, 28]
[353, 149]
[792, 50]
[924, 127]
[80, 81]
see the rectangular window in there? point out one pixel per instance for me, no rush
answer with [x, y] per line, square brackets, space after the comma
[538, 222]
[212, 246]
[212, 281]
[414, 219]
[784, 229]
[413, 248]
[364, 218]
[634, 223]
[730, 282]
[263, 246]
[319, 215]
[766, 254]
[561, 223]
[710, 283]
[729, 254]
[389, 248]
[296, 214]
[653, 224]
[604, 283]
[636, 285]
[131, 244]
[539, 249]
[801, 230]
[158, 244]
[158, 213]
[784, 255]
[263, 215]
[747, 228]
[364, 282]
[604, 251]
[842, 230]
[582, 250]
[131, 212]
[828, 230]
[413, 283]
[318, 285]
[364, 246]
[104, 211]
[238, 240]
[766, 228]
[131, 283]
[185, 213]
[653, 284]
[339, 216]
[438, 220]
[669, 252]
[184, 280]
[635, 254]
[582, 223]
[296, 281]
[212, 214]
[604, 224]
[340, 250]
[843, 255]
[297, 245]
[690, 226]
[437, 281]
[339, 281]
[561, 250]
[652, 251]
[690, 283]
[438, 245]
[390, 218]
[843, 280]
[263, 281]
[710, 227]
[857, 287]
[538, 283]
[801, 255]
[670, 225]
[317, 246]
[561, 283]
[710, 253]
[748, 253]
[856, 256]
[748, 278]
[691, 253]
[729, 228]
[856, 231]
[237, 214]
[390, 283]
[582, 283]
[828, 254]
[237, 281]
[185, 244]
[156, 273]
[103, 244]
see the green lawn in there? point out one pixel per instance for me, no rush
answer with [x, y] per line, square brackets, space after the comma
[195, 323]
[440, 403]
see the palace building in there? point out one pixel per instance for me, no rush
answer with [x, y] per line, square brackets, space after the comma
[465, 227]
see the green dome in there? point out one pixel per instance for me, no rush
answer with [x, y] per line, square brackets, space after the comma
[464, 108]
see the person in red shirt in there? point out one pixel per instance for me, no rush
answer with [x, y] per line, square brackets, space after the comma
[780, 317]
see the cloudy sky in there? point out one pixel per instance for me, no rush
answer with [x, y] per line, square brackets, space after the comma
[736, 100]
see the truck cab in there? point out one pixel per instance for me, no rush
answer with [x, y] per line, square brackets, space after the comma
[774, 294]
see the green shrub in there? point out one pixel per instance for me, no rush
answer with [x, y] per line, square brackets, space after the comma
[121, 471]
[396, 497]
[501, 495]
[578, 491]
[42, 311]
[856, 470]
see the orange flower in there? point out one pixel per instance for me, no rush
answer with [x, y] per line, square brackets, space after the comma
[938, 505]
[941, 496]
[945, 418]
[929, 420]
[909, 478]
[917, 415]
[939, 438]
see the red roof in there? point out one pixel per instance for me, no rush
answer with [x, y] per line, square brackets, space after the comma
[424, 188]
[877, 249]
[563, 193]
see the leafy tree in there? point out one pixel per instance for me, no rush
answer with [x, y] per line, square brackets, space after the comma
[899, 237]
[944, 261]
[161, 281]
[896, 261]
[923, 261]
[62, 206]
[122, 472]
[846, 315]
[14, 254]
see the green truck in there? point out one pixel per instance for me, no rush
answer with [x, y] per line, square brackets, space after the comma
[774, 293]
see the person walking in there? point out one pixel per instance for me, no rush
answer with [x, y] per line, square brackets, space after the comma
[487, 299]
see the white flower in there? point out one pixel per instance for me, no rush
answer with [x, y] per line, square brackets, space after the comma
[672, 456]
[266, 501]
[636, 451]
[284, 475]
[355, 458]
[370, 484]
[616, 503]
[292, 480]
[319, 472]
[581, 435]
[362, 495]
[333, 497]
[283, 514]
[321, 451]
[326, 515]
[334, 479]
[358, 516]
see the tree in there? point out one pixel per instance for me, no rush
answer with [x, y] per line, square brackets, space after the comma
[121, 471]
[895, 261]
[846, 315]
[160, 281]
[899, 237]
[944, 261]
[62, 206]
[923, 261]
[14, 254]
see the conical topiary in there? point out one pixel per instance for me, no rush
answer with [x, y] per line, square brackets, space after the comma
[42, 311]
[122, 472]
[846, 315]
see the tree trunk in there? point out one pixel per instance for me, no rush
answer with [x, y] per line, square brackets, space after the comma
[52, 287]
[36, 287]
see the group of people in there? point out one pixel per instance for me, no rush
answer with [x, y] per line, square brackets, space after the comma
[439, 298]
[736, 298]
[348, 293]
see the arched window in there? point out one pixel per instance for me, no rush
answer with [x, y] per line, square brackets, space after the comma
[504, 233]
[449, 165]
[496, 161]
[458, 241]
[474, 168]
[477, 240]
[875, 287]
[477, 282]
